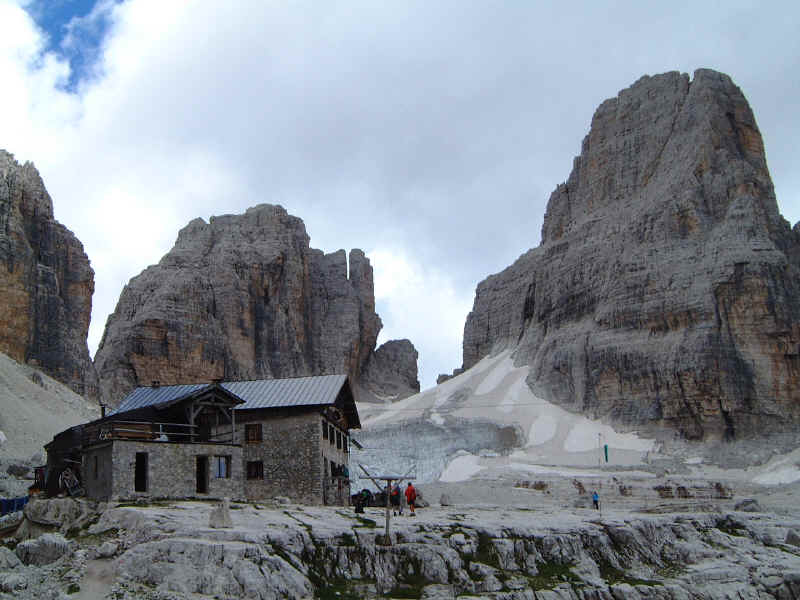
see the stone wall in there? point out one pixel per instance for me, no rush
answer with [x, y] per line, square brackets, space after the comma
[290, 449]
[98, 471]
[171, 470]
[336, 489]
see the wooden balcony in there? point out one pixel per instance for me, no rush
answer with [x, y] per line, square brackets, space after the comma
[146, 431]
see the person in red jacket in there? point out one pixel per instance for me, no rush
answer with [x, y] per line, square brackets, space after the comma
[411, 498]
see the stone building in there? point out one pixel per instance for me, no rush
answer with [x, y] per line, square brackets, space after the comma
[250, 440]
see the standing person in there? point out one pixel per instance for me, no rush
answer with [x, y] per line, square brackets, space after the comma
[411, 498]
[596, 500]
[397, 507]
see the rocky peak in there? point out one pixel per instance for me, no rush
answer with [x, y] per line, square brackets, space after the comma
[665, 289]
[46, 283]
[241, 297]
[391, 372]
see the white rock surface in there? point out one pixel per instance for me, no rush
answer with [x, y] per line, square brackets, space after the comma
[43, 550]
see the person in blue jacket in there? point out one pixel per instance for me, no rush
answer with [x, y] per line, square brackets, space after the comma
[596, 500]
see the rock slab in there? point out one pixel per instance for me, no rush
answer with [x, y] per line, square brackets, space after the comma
[666, 287]
[46, 282]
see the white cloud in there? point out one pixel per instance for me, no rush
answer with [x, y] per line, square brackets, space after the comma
[420, 303]
[431, 133]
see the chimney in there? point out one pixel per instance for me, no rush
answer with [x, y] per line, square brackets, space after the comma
[156, 383]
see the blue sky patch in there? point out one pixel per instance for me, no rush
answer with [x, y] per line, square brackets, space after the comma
[75, 31]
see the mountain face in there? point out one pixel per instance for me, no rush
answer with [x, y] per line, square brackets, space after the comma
[241, 297]
[46, 283]
[666, 288]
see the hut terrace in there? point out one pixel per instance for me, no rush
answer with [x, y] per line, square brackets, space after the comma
[244, 439]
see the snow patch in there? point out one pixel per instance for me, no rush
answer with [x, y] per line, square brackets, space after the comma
[461, 468]
[567, 472]
[495, 377]
[583, 437]
[436, 418]
[542, 430]
[781, 475]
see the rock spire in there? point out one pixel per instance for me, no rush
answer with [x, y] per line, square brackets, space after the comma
[241, 297]
[666, 287]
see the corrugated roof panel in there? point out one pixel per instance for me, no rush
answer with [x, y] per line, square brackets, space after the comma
[260, 393]
[298, 391]
[150, 396]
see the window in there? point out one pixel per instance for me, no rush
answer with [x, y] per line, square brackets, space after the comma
[95, 466]
[339, 440]
[332, 435]
[252, 432]
[222, 467]
[324, 431]
[255, 469]
[346, 443]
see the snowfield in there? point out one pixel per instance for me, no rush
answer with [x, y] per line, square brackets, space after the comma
[487, 423]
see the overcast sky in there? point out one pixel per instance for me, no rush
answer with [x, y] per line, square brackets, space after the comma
[430, 134]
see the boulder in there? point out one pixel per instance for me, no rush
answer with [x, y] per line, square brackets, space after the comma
[64, 513]
[43, 550]
[748, 505]
[8, 560]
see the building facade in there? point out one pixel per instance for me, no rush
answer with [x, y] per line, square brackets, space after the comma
[253, 440]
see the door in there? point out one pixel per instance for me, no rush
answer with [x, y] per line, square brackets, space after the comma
[140, 474]
[202, 474]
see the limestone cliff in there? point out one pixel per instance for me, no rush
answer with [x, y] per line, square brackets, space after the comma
[666, 286]
[46, 283]
[241, 297]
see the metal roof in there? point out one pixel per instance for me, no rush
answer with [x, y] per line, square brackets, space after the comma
[260, 393]
[298, 391]
[153, 396]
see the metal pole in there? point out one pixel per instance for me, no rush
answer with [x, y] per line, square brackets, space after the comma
[388, 493]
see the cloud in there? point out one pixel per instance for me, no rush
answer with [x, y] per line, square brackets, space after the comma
[410, 297]
[431, 132]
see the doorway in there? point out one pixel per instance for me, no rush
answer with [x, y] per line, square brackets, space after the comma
[140, 473]
[202, 474]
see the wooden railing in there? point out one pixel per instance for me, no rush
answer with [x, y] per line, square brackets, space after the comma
[155, 432]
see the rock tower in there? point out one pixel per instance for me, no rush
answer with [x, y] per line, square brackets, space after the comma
[242, 297]
[666, 287]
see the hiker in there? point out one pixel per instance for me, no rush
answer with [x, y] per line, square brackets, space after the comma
[411, 498]
[394, 497]
[361, 499]
[596, 500]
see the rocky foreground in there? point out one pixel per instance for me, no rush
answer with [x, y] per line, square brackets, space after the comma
[655, 544]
